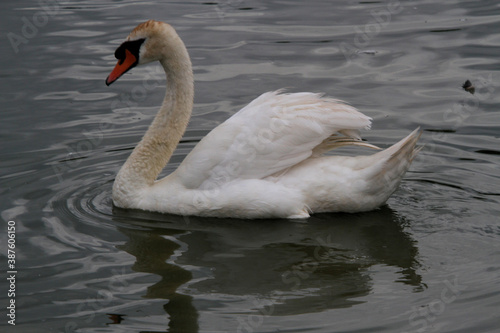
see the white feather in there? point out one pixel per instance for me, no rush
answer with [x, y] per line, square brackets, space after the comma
[272, 133]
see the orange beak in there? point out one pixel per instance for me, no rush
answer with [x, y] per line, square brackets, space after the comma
[122, 67]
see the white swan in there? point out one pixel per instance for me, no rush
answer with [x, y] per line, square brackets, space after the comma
[263, 162]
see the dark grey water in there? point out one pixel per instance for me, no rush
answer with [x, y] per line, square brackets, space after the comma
[427, 262]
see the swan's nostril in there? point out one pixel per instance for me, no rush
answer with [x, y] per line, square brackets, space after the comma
[124, 65]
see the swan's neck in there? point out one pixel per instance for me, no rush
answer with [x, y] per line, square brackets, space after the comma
[156, 147]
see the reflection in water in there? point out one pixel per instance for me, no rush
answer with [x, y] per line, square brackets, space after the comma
[153, 251]
[298, 268]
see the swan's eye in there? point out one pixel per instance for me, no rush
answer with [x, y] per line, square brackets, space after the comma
[133, 46]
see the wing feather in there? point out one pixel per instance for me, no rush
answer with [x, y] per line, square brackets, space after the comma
[274, 132]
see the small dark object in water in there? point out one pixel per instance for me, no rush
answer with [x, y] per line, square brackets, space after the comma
[469, 87]
[116, 318]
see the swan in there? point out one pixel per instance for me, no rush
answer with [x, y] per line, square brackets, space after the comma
[265, 161]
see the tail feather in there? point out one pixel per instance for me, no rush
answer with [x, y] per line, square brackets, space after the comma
[391, 164]
[404, 150]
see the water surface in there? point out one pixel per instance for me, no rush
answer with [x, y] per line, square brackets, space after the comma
[426, 262]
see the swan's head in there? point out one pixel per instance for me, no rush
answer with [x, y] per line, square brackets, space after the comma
[149, 41]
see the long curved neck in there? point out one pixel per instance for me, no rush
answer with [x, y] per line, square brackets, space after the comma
[156, 147]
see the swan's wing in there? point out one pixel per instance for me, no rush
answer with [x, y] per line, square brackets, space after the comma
[271, 134]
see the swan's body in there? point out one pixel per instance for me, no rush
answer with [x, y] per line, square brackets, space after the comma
[265, 161]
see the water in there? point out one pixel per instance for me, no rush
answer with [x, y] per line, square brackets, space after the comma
[426, 262]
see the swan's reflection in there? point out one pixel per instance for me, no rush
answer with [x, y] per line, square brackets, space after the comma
[153, 252]
[299, 267]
